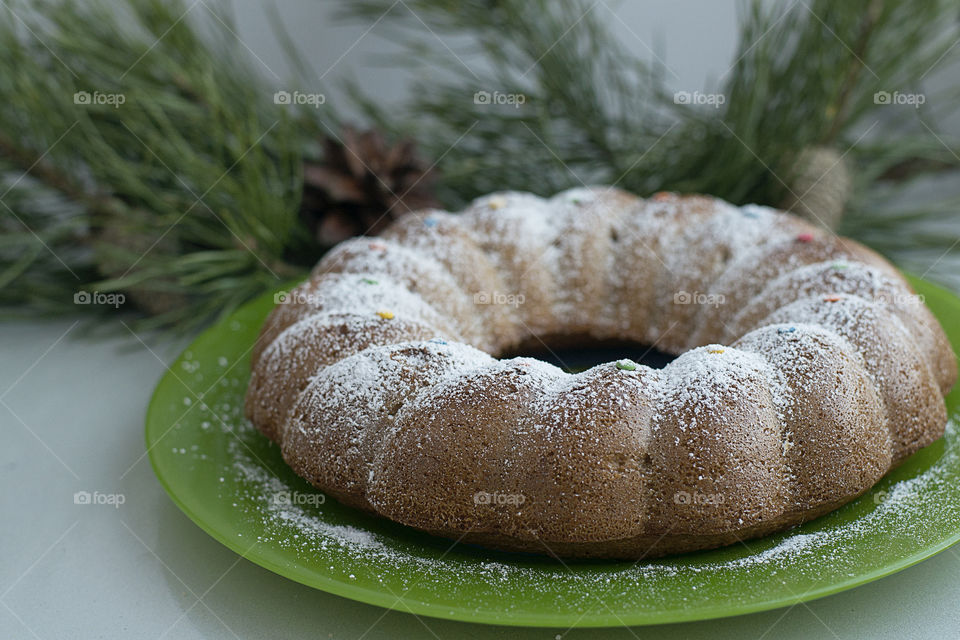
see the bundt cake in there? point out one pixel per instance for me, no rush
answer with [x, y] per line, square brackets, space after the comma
[807, 368]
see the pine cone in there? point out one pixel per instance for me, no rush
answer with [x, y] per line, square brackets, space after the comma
[362, 184]
[820, 185]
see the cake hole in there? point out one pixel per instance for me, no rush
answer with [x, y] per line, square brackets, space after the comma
[575, 355]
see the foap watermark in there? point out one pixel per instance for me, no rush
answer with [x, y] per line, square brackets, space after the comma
[515, 100]
[715, 100]
[297, 297]
[497, 498]
[707, 299]
[900, 299]
[97, 498]
[495, 297]
[298, 499]
[114, 300]
[697, 498]
[896, 97]
[87, 98]
[891, 497]
[315, 100]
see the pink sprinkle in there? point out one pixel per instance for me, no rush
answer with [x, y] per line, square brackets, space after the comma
[377, 246]
[805, 237]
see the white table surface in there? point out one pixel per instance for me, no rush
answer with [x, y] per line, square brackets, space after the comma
[72, 415]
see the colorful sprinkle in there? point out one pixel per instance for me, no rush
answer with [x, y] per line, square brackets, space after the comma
[805, 237]
[749, 214]
[377, 246]
[437, 341]
[832, 299]
[840, 266]
[786, 330]
[660, 196]
[496, 203]
[429, 222]
[369, 281]
[715, 350]
[386, 315]
[626, 365]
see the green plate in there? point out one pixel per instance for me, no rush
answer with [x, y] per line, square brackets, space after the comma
[234, 484]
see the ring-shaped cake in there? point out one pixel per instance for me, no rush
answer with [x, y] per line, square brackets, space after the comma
[807, 368]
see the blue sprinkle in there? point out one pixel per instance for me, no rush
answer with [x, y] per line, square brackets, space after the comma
[438, 341]
[787, 330]
[749, 214]
[429, 222]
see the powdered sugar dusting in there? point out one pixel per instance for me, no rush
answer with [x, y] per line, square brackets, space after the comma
[890, 508]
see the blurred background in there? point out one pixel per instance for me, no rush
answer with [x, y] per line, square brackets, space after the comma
[696, 39]
[172, 160]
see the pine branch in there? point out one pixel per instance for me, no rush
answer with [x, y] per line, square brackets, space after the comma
[804, 76]
[187, 189]
[187, 196]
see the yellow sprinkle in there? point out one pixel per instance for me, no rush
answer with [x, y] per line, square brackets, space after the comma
[716, 350]
[496, 203]
[386, 315]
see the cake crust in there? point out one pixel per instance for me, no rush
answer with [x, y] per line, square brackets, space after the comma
[807, 368]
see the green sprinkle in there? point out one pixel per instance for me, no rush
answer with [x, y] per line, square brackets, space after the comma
[839, 266]
[626, 365]
[369, 281]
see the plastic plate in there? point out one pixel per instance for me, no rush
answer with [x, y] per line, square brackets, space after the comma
[233, 483]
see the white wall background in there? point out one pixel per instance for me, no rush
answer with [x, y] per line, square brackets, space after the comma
[696, 39]
[696, 51]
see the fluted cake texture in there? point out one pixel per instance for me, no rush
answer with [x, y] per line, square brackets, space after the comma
[807, 369]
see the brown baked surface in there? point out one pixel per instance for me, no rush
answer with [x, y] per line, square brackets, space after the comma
[806, 369]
